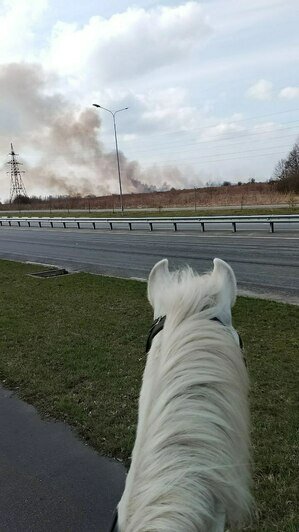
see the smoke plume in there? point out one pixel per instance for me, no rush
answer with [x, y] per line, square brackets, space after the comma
[59, 141]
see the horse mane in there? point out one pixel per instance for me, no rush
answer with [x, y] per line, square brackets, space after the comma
[190, 464]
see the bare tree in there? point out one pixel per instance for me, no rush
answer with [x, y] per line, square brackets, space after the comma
[286, 172]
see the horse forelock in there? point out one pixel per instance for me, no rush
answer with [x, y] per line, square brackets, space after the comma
[186, 293]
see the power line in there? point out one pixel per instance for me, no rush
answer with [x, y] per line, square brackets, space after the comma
[223, 139]
[229, 159]
[191, 147]
[195, 130]
[227, 121]
[247, 151]
[190, 159]
[202, 156]
[243, 157]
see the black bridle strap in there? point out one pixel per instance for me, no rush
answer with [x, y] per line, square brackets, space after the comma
[114, 527]
[240, 339]
[158, 325]
[154, 330]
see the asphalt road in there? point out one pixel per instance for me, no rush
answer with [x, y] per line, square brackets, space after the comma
[264, 263]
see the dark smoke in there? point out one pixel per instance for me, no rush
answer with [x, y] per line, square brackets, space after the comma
[65, 155]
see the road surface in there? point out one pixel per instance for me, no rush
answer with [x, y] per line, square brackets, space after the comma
[264, 263]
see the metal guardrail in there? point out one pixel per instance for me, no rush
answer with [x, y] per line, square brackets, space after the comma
[97, 223]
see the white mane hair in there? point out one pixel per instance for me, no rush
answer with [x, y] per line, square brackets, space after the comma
[190, 463]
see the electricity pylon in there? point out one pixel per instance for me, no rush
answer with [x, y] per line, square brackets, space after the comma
[17, 187]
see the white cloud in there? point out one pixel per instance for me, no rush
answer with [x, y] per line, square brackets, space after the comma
[150, 111]
[127, 44]
[262, 90]
[18, 20]
[220, 130]
[289, 93]
[167, 109]
[128, 137]
[266, 127]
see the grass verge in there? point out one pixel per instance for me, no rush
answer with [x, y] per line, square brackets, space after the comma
[163, 213]
[74, 347]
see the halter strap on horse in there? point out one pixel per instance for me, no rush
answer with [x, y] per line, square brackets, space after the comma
[158, 325]
[114, 527]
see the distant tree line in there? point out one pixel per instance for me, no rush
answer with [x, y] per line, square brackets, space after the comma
[286, 173]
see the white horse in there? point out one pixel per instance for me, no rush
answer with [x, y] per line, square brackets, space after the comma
[190, 464]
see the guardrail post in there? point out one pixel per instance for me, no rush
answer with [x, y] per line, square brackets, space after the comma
[40, 223]
[78, 225]
[272, 227]
[175, 226]
[9, 223]
[51, 223]
[64, 226]
[94, 225]
[234, 227]
[111, 226]
[0, 223]
[28, 223]
[202, 226]
[130, 226]
[19, 223]
[151, 226]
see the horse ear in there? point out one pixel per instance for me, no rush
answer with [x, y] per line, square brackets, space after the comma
[157, 279]
[225, 280]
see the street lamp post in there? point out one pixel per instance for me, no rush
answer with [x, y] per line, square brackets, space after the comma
[113, 113]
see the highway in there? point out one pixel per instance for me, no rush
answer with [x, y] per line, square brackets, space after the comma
[265, 264]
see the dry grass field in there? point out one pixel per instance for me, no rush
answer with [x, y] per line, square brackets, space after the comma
[236, 196]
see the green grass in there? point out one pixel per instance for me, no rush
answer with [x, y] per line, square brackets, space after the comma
[178, 212]
[74, 347]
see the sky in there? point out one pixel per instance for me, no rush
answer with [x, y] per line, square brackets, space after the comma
[212, 90]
